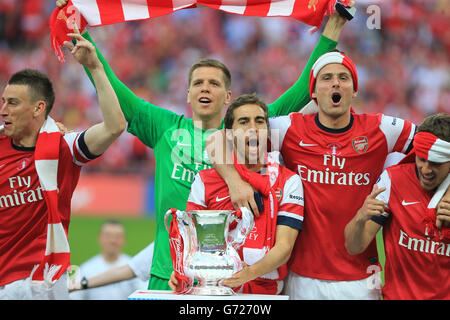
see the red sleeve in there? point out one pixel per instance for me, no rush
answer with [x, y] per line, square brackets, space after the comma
[194, 206]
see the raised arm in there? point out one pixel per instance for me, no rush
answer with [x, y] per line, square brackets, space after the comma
[100, 136]
[127, 99]
[297, 96]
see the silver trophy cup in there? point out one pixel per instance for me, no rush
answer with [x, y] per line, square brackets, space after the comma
[210, 246]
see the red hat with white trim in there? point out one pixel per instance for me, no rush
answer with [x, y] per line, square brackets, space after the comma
[428, 147]
[332, 57]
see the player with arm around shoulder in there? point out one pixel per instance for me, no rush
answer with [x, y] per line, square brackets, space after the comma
[268, 246]
[339, 155]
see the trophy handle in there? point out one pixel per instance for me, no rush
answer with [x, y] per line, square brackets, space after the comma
[183, 244]
[189, 235]
[245, 223]
[166, 216]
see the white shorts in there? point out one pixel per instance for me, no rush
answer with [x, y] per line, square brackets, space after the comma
[304, 288]
[25, 289]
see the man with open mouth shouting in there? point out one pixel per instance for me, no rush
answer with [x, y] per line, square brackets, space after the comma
[339, 155]
[269, 245]
[337, 173]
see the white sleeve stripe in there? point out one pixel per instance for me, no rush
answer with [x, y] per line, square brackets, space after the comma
[278, 128]
[290, 215]
[70, 139]
[293, 191]
[384, 181]
[292, 200]
[391, 130]
[197, 194]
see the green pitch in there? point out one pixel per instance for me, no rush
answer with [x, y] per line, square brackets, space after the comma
[83, 233]
[381, 254]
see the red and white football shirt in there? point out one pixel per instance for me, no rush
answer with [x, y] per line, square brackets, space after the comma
[209, 191]
[23, 211]
[338, 168]
[416, 266]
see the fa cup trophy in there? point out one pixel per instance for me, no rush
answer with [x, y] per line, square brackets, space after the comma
[204, 245]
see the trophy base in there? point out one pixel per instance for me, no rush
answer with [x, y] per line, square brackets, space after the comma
[212, 291]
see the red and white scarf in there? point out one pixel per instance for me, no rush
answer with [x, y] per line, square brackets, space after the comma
[104, 12]
[266, 223]
[56, 259]
[429, 147]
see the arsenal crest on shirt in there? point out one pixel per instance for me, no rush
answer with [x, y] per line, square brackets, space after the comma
[360, 144]
[279, 194]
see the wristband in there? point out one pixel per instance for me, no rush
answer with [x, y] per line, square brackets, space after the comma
[84, 283]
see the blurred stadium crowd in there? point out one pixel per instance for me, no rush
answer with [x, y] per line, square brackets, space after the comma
[403, 67]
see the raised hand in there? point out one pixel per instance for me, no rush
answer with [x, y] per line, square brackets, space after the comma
[359, 233]
[84, 51]
[372, 206]
[335, 24]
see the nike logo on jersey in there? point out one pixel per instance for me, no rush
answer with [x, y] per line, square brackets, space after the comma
[404, 203]
[220, 199]
[302, 144]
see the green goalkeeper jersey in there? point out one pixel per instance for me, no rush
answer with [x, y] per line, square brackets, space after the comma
[179, 146]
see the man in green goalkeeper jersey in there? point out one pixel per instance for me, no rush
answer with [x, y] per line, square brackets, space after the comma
[179, 143]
